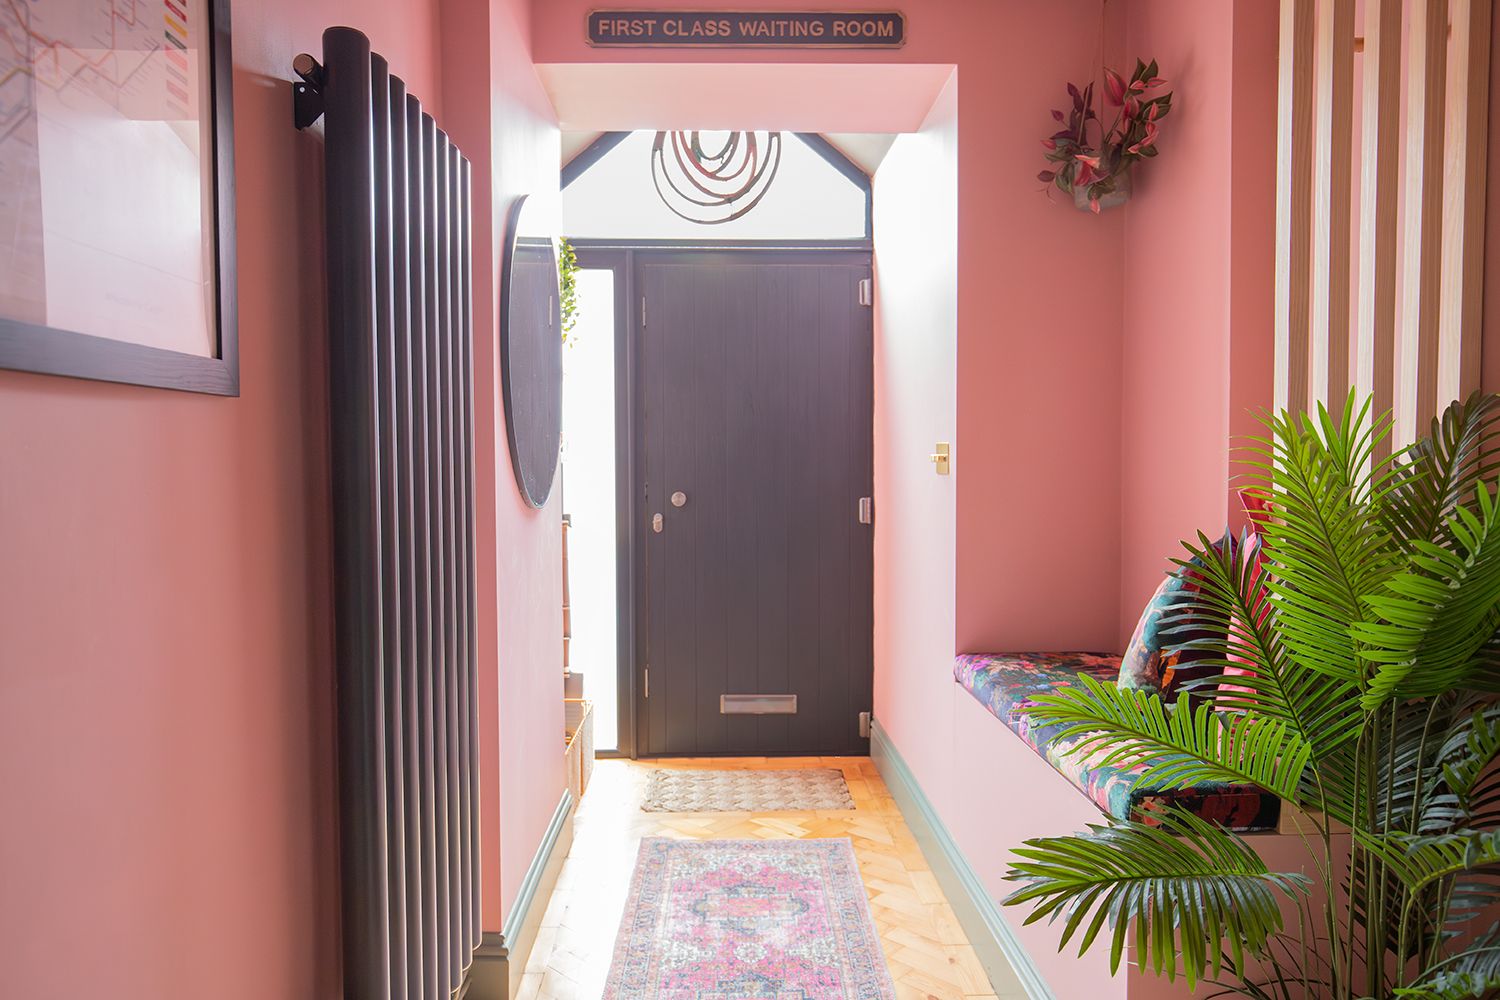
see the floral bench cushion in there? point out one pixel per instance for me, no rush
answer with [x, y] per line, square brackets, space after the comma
[1006, 682]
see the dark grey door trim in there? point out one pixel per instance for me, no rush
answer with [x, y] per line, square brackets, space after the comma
[639, 528]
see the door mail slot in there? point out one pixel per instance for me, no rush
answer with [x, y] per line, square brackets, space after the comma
[757, 704]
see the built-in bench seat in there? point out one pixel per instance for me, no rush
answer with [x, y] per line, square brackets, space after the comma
[1004, 683]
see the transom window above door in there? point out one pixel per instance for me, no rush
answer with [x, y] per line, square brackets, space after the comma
[714, 185]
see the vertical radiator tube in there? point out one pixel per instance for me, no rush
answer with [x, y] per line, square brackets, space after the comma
[437, 664]
[390, 522]
[402, 430]
[411, 801]
[460, 700]
[356, 542]
[442, 378]
[471, 662]
[433, 947]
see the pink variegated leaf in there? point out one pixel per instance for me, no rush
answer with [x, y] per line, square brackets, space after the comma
[1114, 86]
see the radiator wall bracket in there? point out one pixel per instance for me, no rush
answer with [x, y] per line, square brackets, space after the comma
[307, 93]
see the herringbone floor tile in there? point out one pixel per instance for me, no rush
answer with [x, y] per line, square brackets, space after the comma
[928, 954]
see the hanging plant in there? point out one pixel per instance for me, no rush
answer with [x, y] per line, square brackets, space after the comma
[567, 283]
[1096, 171]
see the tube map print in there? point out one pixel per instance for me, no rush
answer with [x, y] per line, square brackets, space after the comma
[106, 212]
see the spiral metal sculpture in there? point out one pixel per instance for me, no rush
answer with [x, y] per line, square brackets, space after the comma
[712, 187]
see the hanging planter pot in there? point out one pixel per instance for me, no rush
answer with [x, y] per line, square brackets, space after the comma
[1093, 164]
[1117, 196]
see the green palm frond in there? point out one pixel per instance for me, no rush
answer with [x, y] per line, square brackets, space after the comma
[1327, 553]
[1186, 886]
[1435, 617]
[1322, 709]
[1190, 744]
[1422, 861]
[1439, 472]
[1472, 974]
[1469, 751]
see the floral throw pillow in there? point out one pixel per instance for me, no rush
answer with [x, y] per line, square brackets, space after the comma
[1151, 661]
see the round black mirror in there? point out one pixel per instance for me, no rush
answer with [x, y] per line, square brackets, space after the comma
[531, 350]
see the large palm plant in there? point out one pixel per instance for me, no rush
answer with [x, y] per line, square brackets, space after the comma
[1372, 705]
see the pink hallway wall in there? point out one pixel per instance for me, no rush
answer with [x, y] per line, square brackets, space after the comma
[526, 153]
[916, 348]
[166, 708]
[1174, 425]
[166, 724]
[1038, 306]
[510, 130]
[1198, 257]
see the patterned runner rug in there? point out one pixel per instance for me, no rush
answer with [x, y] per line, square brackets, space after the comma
[747, 919]
[746, 791]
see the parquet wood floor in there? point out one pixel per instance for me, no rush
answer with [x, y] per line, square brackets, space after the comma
[928, 954]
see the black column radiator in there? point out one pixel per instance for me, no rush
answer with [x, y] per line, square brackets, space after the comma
[401, 415]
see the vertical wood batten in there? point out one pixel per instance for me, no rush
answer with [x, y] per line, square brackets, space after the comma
[1422, 260]
[1332, 181]
[1379, 200]
[355, 442]
[1294, 203]
[1465, 165]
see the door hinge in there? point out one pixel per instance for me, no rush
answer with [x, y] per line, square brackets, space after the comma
[647, 675]
[866, 510]
[866, 291]
[864, 725]
[643, 310]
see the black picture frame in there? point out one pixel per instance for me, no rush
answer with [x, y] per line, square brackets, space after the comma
[31, 348]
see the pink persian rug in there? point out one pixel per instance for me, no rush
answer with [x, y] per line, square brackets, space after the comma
[747, 920]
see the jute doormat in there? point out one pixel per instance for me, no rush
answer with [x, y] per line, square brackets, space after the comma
[673, 790]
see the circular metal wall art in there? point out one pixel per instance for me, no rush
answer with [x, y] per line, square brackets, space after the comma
[714, 177]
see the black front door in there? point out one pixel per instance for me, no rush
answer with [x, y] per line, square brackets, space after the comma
[755, 454]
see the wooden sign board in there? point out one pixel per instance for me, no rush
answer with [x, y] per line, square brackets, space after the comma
[777, 29]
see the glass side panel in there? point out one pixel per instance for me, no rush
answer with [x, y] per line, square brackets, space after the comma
[588, 469]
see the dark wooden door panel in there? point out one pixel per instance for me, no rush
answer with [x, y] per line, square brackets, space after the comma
[757, 405]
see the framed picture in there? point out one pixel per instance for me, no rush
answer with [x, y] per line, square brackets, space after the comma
[117, 192]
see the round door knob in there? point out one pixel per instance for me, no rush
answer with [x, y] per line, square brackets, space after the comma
[679, 499]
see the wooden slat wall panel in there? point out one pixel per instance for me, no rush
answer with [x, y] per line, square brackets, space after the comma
[1422, 254]
[1417, 229]
[1332, 191]
[1375, 320]
[1294, 202]
[1465, 169]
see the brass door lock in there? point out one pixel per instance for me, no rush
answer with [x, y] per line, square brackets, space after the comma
[939, 458]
